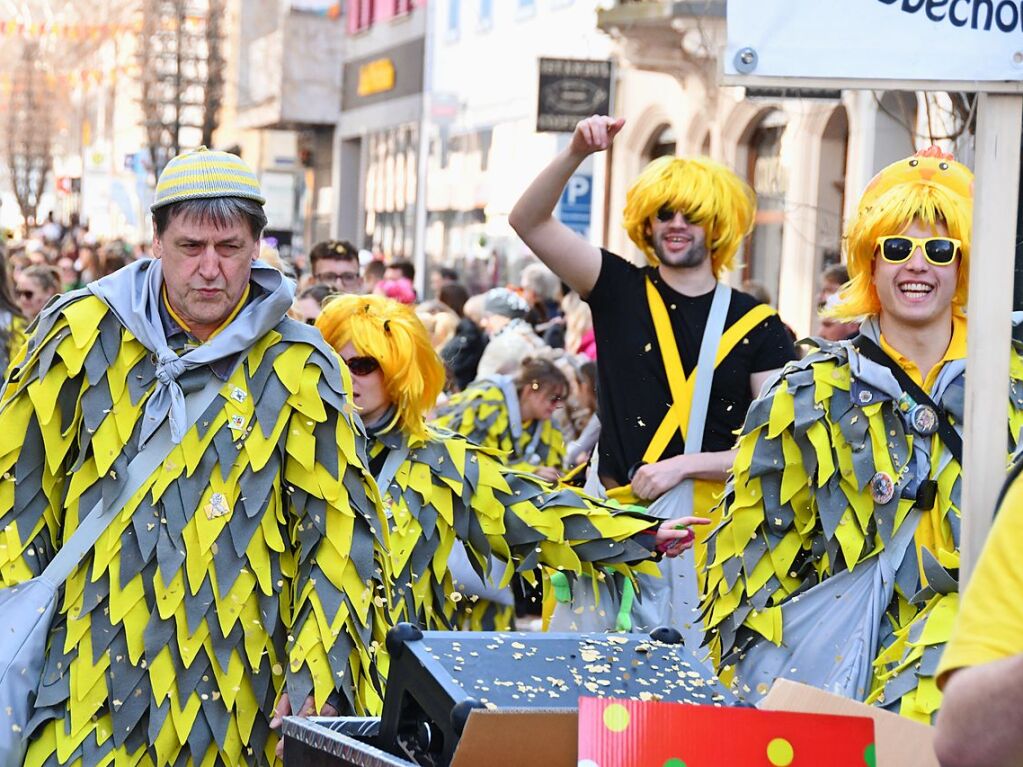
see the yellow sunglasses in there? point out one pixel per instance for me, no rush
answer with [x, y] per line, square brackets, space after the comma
[940, 251]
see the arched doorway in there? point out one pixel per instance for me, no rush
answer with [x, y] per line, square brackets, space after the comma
[661, 144]
[831, 189]
[766, 174]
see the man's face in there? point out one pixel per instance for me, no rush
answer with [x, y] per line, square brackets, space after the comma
[205, 269]
[393, 273]
[676, 241]
[342, 276]
[916, 292]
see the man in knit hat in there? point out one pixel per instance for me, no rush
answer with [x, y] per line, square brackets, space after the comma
[238, 572]
[836, 561]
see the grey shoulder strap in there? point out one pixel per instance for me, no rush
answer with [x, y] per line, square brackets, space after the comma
[705, 368]
[141, 468]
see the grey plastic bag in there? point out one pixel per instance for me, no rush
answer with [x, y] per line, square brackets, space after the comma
[831, 631]
[28, 610]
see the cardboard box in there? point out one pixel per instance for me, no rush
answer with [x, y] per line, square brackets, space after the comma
[901, 742]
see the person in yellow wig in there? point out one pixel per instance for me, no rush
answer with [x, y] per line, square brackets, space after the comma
[653, 325]
[242, 569]
[836, 560]
[439, 488]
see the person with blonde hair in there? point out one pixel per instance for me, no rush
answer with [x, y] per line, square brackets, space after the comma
[836, 561]
[664, 331]
[441, 491]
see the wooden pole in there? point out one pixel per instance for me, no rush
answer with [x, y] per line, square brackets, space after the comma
[990, 305]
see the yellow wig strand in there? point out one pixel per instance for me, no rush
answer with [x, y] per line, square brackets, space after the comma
[707, 193]
[394, 336]
[892, 213]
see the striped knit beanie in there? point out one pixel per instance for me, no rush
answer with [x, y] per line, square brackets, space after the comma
[203, 173]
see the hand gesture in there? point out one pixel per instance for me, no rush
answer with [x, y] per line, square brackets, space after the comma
[674, 536]
[283, 709]
[595, 134]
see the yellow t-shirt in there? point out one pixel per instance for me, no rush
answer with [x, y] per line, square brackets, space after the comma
[933, 533]
[990, 622]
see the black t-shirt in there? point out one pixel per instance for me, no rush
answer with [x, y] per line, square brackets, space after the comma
[631, 383]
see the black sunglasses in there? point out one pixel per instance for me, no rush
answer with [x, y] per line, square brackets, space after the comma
[29, 294]
[666, 214]
[362, 366]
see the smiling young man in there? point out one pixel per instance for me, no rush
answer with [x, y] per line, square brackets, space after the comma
[851, 463]
[230, 578]
[689, 217]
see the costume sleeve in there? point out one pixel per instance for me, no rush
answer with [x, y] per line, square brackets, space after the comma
[338, 612]
[40, 416]
[453, 490]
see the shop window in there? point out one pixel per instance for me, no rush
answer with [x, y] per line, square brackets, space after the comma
[767, 176]
[360, 14]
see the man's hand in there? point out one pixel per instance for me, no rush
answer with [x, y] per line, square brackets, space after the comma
[595, 134]
[548, 473]
[652, 480]
[674, 536]
[283, 709]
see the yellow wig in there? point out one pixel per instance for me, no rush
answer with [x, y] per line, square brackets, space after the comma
[929, 187]
[394, 336]
[707, 193]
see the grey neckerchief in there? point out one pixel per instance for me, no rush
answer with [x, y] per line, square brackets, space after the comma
[133, 294]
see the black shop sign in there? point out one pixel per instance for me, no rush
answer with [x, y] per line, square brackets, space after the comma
[569, 90]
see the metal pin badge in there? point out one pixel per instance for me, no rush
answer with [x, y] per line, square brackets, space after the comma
[924, 420]
[237, 422]
[882, 488]
[217, 507]
[865, 397]
[239, 395]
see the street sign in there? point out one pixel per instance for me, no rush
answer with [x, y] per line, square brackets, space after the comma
[570, 90]
[960, 43]
[576, 203]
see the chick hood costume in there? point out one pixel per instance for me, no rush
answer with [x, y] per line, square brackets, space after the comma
[833, 461]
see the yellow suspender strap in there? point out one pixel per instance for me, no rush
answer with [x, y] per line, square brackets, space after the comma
[677, 417]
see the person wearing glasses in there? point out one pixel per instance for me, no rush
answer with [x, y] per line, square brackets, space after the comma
[434, 482]
[513, 415]
[688, 217]
[848, 475]
[34, 287]
[336, 263]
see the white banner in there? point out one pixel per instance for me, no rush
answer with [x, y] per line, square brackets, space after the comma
[941, 40]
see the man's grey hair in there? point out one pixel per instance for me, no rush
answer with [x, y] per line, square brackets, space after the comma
[541, 280]
[219, 211]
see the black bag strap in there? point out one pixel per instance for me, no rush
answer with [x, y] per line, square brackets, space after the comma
[875, 353]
